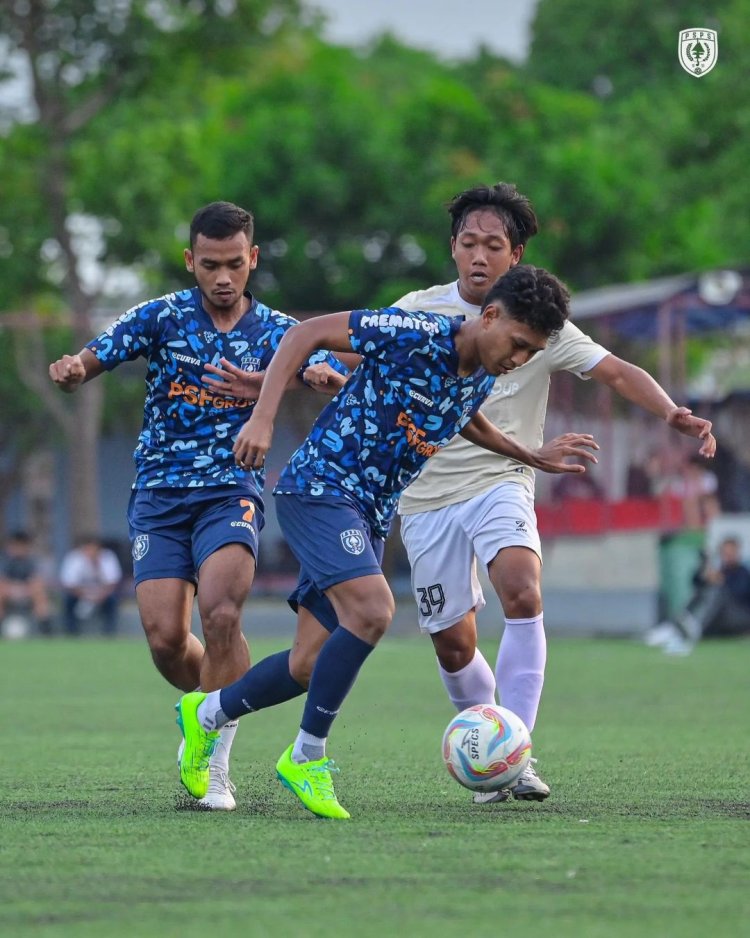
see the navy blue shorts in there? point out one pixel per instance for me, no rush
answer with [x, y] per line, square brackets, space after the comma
[332, 542]
[172, 531]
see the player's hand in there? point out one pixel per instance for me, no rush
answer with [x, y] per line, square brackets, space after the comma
[253, 442]
[323, 378]
[232, 381]
[68, 372]
[682, 419]
[551, 456]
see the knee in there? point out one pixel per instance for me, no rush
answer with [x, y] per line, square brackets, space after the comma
[455, 648]
[220, 623]
[371, 619]
[301, 664]
[522, 600]
[165, 645]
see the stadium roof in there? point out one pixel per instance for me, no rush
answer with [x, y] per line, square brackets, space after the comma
[708, 302]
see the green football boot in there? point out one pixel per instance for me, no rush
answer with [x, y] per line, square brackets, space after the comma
[199, 745]
[311, 782]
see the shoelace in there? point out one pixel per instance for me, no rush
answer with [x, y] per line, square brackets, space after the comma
[322, 781]
[529, 771]
[219, 781]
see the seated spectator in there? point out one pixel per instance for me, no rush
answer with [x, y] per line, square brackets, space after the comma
[23, 591]
[719, 606]
[90, 577]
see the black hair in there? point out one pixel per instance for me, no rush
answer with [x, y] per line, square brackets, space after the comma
[533, 296]
[513, 209]
[221, 220]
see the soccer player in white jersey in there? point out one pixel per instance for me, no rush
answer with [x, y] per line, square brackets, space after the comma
[470, 505]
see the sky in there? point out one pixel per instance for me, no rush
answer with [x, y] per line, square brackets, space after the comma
[447, 27]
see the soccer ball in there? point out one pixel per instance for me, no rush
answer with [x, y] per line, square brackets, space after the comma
[486, 747]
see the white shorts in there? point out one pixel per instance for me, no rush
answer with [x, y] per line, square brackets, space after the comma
[443, 546]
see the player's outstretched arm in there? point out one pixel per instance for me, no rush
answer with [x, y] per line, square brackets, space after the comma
[232, 381]
[71, 371]
[637, 385]
[683, 420]
[548, 458]
[330, 332]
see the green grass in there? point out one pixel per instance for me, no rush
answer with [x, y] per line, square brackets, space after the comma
[646, 832]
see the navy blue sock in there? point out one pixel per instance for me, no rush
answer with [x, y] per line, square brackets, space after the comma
[267, 683]
[334, 673]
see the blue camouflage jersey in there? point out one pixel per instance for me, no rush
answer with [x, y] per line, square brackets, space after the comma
[401, 404]
[188, 428]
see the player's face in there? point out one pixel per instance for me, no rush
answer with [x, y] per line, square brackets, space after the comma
[221, 270]
[505, 343]
[482, 252]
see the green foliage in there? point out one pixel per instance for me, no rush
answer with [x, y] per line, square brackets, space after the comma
[347, 159]
[622, 46]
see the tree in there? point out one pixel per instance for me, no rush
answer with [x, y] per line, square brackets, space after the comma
[616, 48]
[81, 58]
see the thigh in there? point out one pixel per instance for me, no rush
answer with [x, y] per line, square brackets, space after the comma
[225, 576]
[364, 606]
[226, 517]
[329, 538]
[166, 608]
[443, 569]
[333, 544]
[161, 536]
[502, 517]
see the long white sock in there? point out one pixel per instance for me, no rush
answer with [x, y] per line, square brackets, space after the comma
[473, 684]
[212, 717]
[520, 667]
[220, 758]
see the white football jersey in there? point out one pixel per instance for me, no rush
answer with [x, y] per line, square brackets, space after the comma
[517, 405]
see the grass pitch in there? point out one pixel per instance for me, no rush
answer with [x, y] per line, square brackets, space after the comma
[645, 833]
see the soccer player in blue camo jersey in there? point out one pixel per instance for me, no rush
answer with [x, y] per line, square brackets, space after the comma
[421, 381]
[195, 512]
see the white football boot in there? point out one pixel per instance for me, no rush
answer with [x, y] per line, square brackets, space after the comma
[527, 787]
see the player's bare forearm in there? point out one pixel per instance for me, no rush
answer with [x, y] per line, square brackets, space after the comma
[548, 458]
[331, 332]
[637, 386]
[71, 371]
[482, 432]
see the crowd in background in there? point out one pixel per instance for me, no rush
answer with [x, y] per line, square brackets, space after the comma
[82, 595]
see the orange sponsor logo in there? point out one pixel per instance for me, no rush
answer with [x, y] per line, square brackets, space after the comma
[202, 397]
[416, 437]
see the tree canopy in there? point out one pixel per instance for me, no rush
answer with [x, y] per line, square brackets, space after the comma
[138, 112]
